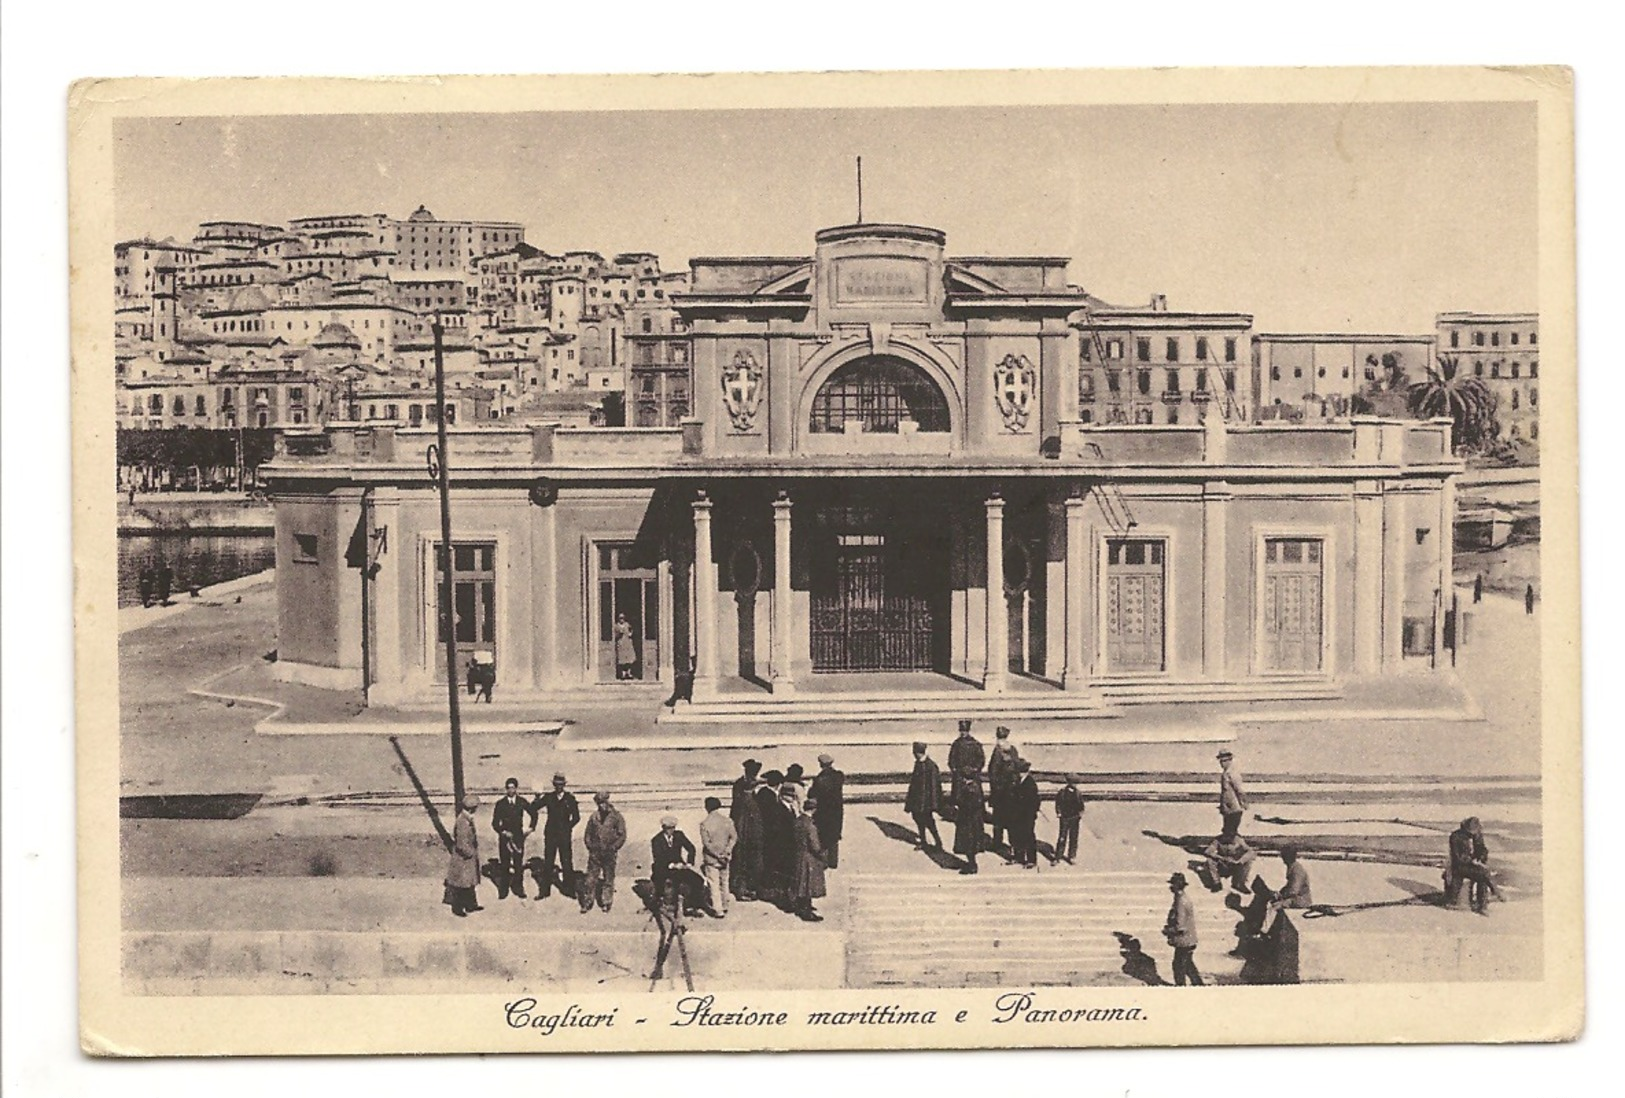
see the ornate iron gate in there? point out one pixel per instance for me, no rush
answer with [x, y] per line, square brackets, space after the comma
[872, 608]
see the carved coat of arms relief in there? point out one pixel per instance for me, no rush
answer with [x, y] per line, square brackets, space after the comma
[742, 390]
[1014, 383]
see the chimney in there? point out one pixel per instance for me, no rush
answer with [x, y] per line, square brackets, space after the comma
[1159, 303]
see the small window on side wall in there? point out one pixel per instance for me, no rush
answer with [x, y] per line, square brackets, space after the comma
[304, 548]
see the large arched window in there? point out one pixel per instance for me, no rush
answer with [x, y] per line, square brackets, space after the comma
[879, 393]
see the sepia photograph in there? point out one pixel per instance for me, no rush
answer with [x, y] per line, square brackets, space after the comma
[842, 561]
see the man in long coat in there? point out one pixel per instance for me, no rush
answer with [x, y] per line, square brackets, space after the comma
[829, 790]
[1022, 813]
[463, 865]
[1232, 797]
[746, 872]
[969, 809]
[603, 836]
[924, 788]
[1001, 783]
[807, 879]
[511, 820]
[966, 751]
[778, 851]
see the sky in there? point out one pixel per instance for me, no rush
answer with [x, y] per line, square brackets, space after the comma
[1359, 217]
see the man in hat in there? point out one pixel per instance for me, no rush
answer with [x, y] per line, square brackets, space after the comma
[924, 794]
[1069, 818]
[671, 859]
[807, 878]
[1232, 798]
[969, 807]
[746, 870]
[718, 841]
[512, 821]
[603, 836]
[829, 790]
[1022, 813]
[558, 836]
[966, 751]
[778, 853]
[1001, 783]
[463, 865]
[1180, 930]
[1229, 860]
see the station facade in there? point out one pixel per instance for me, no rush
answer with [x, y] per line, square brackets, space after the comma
[888, 477]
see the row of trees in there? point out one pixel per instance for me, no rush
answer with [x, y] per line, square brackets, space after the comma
[197, 455]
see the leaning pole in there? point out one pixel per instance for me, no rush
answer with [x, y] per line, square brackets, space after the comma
[440, 468]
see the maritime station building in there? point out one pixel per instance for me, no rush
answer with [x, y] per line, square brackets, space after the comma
[886, 501]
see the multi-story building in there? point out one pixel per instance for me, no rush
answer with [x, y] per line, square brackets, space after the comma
[1503, 351]
[1324, 371]
[1149, 366]
[425, 244]
[271, 395]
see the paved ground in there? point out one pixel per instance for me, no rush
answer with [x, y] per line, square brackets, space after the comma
[335, 828]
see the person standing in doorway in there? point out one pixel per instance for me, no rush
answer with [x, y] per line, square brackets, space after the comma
[924, 795]
[1180, 930]
[463, 866]
[1069, 818]
[1232, 797]
[626, 648]
[511, 820]
[718, 841]
[829, 790]
[603, 836]
[558, 836]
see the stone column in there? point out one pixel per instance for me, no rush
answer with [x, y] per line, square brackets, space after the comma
[705, 603]
[1447, 565]
[1368, 616]
[1215, 584]
[1076, 674]
[997, 668]
[1393, 577]
[784, 682]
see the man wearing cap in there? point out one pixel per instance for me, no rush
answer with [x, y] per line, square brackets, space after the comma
[1001, 784]
[969, 807]
[718, 841]
[1069, 817]
[558, 836]
[1021, 812]
[671, 858]
[746, 870]
[1232, 798]
[829, 790]
[603, 836]
[463, 866]
[1229, 860]
[966, 751]
[1180, 930]
[512, 821]
[924, 795]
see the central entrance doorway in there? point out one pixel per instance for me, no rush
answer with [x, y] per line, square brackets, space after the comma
[879, 591]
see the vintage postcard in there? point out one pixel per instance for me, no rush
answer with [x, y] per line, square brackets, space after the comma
[826, 561]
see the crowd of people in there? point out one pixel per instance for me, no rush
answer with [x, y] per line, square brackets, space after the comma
[780, 833]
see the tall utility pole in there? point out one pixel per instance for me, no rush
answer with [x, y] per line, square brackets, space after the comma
[440, 467]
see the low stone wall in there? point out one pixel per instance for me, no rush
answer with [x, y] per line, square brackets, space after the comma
[313, 962]
[194, 513]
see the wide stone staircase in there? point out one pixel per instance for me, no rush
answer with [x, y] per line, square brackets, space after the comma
[1008, 927]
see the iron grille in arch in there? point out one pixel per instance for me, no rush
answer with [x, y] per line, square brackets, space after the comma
[879, 393]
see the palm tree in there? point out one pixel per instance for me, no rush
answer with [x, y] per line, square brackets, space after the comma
[1466, 401]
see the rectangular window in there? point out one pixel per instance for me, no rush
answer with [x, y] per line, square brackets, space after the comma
[1455, 339]
[1230, 350]
[1114, 381]
[1534, 338]
[472, 606]
[1135, 580]
[1230, 381]
[1084, 352]
[304, 548]
[1144, 382]
[1172, 350]
[1173, 381]
[1114, 348]
[1142, 350]
[1514, 339]
[1478, 339]
[1201, 348]
[1495, 339]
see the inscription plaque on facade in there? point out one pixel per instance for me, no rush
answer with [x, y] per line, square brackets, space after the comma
[880, 279]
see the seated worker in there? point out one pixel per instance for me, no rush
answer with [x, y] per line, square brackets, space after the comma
[1229, 858]
[1295, 893]
[1469, 865]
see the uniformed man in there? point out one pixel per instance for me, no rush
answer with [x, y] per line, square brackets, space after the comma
[558, 836]
[512, 821]
[1001, 784]
[1180, 930]
[966, 751]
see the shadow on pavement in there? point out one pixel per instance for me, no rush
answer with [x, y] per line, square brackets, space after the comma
[188, 806]
[1137, 964]
[423, 794]
[944, 859]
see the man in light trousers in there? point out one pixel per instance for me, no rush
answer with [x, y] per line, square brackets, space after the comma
[717, 840]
